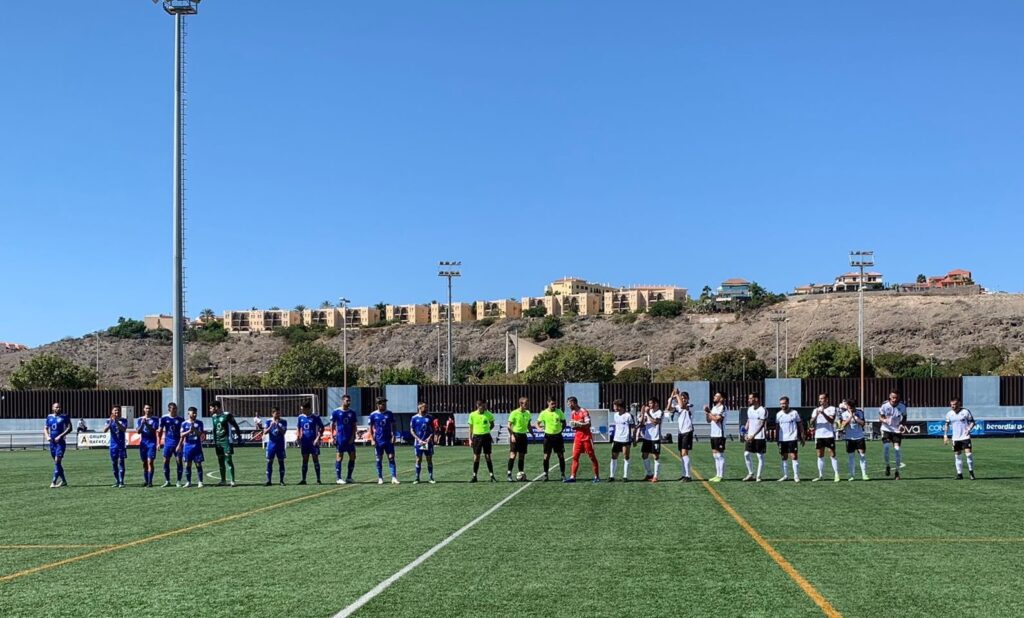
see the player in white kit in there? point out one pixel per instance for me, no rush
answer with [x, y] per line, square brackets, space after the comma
[853, 432]
[679, 403]
[623, 426]
[891, 416]
[823, 420]
[757, 437]
[716, 417]
[790, 432]
[961, 421]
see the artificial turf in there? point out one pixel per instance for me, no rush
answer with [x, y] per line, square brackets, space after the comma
[925, 546]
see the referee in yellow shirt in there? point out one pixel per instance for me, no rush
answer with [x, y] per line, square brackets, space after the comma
[518, 437]
[481, 421]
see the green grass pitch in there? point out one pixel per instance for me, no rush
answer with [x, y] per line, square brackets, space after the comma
[925, 546]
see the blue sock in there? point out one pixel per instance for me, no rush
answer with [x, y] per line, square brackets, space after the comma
[419, 467]
[305, 469]
[337, 470]
[60, 470]
[270, 468]
[188, 474]
[280, 469]
[316, 468]
[430, 468]
[167, 472]
[391, 466]
[380, 469]
[120, 470]
[199, 468]
[351, 468]
[117, 478]
[179, 470]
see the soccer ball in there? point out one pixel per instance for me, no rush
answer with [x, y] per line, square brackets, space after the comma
[520, 476]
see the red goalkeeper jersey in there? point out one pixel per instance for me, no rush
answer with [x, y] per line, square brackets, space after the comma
[581, 416]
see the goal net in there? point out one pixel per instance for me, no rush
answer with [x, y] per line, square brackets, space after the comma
[253, 411]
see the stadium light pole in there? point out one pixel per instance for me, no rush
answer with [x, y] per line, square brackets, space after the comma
[861, 260]
[446, 270]
[179, 9]
[777, 317]
[343, 302]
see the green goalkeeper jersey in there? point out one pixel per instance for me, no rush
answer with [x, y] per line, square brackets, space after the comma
[222, 428]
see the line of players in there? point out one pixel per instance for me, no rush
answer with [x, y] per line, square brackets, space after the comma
[182, 439]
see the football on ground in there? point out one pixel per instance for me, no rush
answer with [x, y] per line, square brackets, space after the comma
[927, 545]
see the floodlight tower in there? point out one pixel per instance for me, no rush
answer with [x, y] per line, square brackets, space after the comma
[343, 303]
[179, 9]
[777, 317]
[861, 260]
[446, 270]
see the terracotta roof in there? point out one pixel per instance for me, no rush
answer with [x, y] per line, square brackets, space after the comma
[735, 282]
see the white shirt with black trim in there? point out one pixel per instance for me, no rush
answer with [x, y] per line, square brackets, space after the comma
[824, 428]
[757, 419]
[892, 416]
[623, 423]
[959, 422]
[685, 419]
[652, 425]
[718, 428]
[789, 425]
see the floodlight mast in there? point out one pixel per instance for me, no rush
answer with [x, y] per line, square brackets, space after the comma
[179, 9]
[445, 271]
[861, 260]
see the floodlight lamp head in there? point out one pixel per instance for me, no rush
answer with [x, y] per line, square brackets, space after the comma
[180, 7]
[862, 258]
[449, 263]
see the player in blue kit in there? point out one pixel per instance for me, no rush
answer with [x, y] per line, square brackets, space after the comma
[170, 436]
[191, 446]
[117, 427]
[311, 430]
[58, 426]
[343, 425]
[422, 426]
[147, 426]
[275, 432]
[382, 436]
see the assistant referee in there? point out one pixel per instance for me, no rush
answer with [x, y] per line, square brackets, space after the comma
[481, 421]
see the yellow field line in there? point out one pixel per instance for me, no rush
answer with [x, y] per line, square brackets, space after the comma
[164, 535]
[784, 564]
[51, 546]
[897, 540]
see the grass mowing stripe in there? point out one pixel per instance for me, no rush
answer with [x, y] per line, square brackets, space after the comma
[779, 559]
[384, 585]
[164, 535]
[51, 546]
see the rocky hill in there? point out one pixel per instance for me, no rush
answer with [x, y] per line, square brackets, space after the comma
[943, 326]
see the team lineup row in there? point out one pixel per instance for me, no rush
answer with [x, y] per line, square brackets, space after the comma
[181, 439]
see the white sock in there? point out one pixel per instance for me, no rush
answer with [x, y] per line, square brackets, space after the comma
[686, 465]
[899, 453]
[821, 466]
[796, 468]
[835, 466]
[657, 467]
[785, 474]
[747, 460]
[760, 464]
[850, 464]
[864, 465]
[959, 464]
[611, 466]
[885, 452]
[970, 461]
[721, 465]
[625, 469]
[647, 467]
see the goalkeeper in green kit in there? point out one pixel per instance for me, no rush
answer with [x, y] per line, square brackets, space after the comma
[222, 424]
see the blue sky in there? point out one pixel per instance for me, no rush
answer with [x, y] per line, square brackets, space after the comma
[343, 148]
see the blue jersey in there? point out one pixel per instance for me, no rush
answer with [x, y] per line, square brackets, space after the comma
[275, 433]
[344, 425]
[56, 424]
[171, 425]
[192, 430]
[382, 426]
[147, 427]
[422, 426]
[117, 429]
[310, 427]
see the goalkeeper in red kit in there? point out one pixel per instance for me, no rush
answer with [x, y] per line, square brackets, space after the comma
[583, 442]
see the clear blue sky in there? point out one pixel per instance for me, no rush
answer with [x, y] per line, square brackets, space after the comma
[344, 147]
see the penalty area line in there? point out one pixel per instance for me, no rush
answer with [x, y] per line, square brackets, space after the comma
[384, 585]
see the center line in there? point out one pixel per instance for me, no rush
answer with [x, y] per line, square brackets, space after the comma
[384, 585]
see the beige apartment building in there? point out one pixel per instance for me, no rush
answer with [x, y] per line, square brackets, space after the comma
[639, 298]
[156, 322]
[573, 285]
[362, 316]
[461, 312]
[407, 314]
[500, 309]
[260, 320]
[582, 304]
[328, 317]
[553, 304]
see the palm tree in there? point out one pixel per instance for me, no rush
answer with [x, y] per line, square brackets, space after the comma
[206, 315]
[300, 308]
[326, 304]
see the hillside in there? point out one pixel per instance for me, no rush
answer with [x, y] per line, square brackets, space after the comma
[943, 326]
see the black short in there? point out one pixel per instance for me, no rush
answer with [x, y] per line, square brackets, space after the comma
[822, 443]
[960, 445]
[889, 437]
[651, 446]
[757, 446]
[482, 443]
[618, 447]
[519, 446]
[553, 442]
[685, 441]
[788, 446]
[852, 446]
[718, 444]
